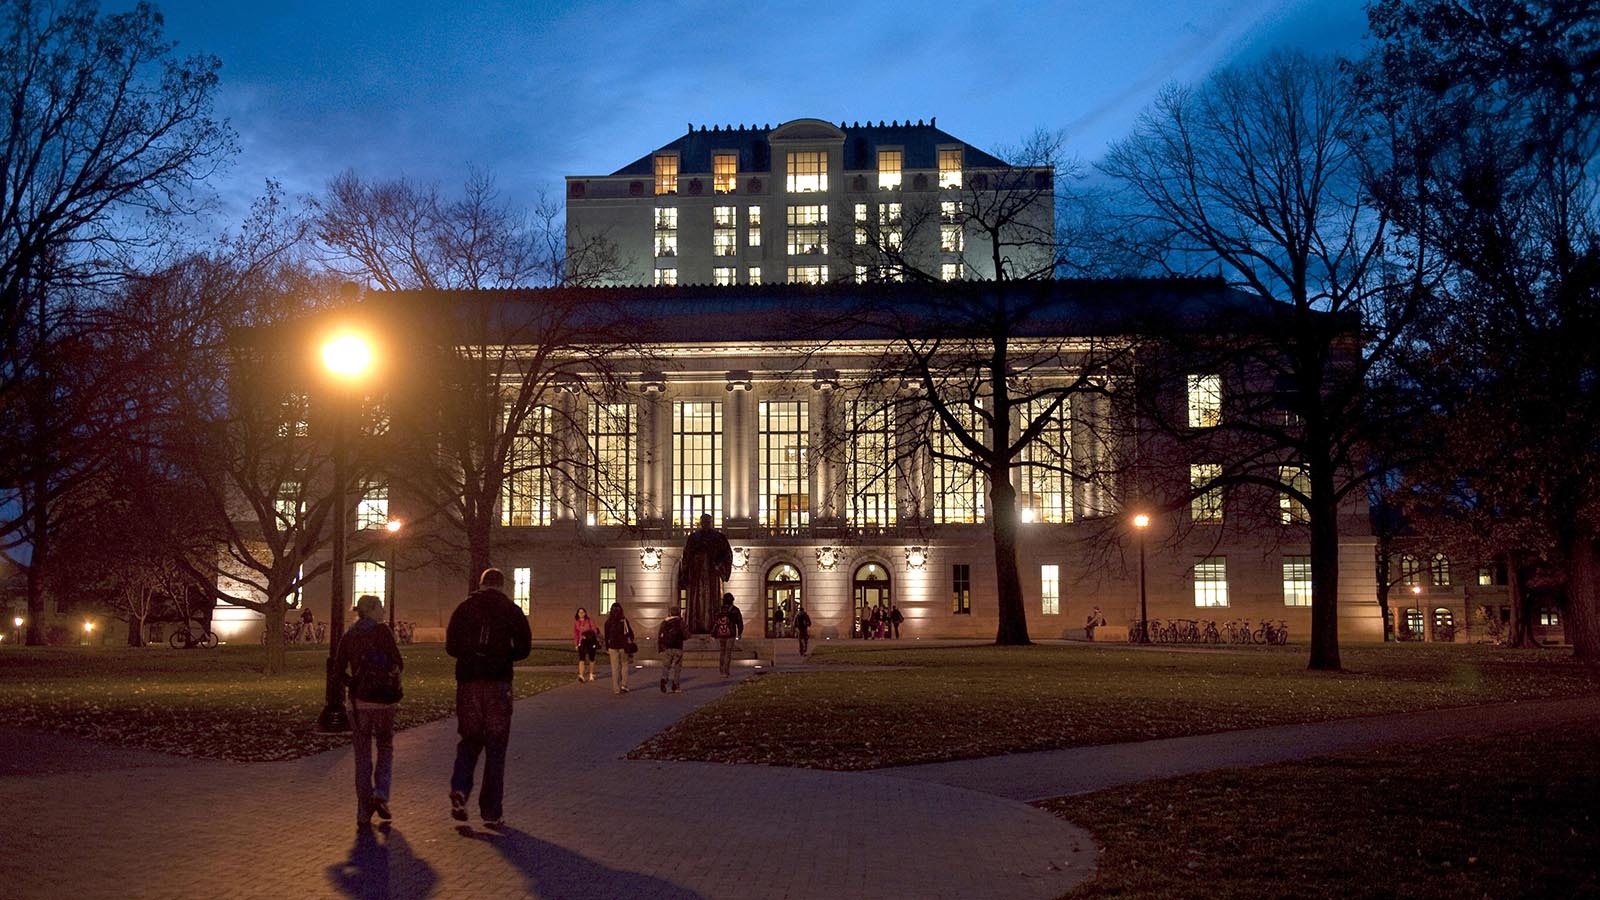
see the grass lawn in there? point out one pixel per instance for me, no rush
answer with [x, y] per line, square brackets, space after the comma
[211, 703]
[961, 702]
[1503, 817]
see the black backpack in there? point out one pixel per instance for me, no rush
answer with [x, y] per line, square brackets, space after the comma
[376, 680]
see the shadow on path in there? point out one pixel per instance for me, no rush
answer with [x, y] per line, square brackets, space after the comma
[381, 866]
[556, 873]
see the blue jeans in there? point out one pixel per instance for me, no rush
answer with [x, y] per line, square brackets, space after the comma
[370, 725]
[483, 719]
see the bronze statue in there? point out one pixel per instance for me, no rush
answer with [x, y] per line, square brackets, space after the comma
[707, 564]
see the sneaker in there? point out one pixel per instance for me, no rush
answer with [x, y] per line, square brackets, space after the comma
[624, 689]
[380, 805]
[663, 685]
[458, 806]
[582, 679]
[676, 689]
[497, 824]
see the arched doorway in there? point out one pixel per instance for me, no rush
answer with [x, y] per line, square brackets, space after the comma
[783, 593]
[872, 591]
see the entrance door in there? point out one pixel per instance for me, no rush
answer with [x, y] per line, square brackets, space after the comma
[872, 591]
[783, 595]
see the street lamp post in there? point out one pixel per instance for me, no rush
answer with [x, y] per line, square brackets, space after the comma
[347, 358]
[1140, 523]
[393, 526]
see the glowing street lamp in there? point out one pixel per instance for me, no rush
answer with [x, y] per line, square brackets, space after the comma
[1141, 522]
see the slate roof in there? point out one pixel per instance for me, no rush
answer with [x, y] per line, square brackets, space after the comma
[861, 142]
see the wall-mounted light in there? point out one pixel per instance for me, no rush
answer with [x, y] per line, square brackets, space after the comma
[916, 557]
[739, 380]
[653, 382]
[741, 558]
[827, 558]
[826, 380]
[650, 558]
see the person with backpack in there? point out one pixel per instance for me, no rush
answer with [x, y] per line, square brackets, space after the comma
[486, 635]
[369, 663]
[586, 637]
[895, 618]
[777, 621]
[727, 626]
[802, 628]
[620, 647]
[669, 644]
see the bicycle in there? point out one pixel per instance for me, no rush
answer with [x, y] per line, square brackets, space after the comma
[183, 638]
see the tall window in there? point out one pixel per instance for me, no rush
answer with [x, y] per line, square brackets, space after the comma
[961, 589]
[724, 172]
[1211, 581]
[785, 495]
[808, 274]
[608, 588]
[294, 415]
[696, 461]
[952, 237]
[754, 275]
[1050, 589]
[666, 175]
[950, 168]
[1440, 569]
[889, 165]
[808, 172]
[522, 589]
[288, 506]
[369, 576]
[1205, 401]
[952, 271]
[1297, 581]
[666, 277]
[527, 496]
[1290, 510]
[861, 223]
[1045, 473]
[724, 275]
[725, 231]
[1206, 507]
[890, 234]
[372, 510]
[808, 230]
[870, 476]
[957, 487]
[1410, 570]
[753, 221]
[667, 231]
[612, 445]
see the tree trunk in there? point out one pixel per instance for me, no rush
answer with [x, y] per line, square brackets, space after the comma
[1582, 622]
[1383, 592]
[1324, 514]
[277, 651]
[1521, 633]
[478, 549]
[135, 631]
[1013, 626]
[36, 596]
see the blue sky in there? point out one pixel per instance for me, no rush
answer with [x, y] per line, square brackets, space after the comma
[533, 91]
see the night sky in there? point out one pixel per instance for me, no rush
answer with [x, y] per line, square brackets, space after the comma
[534, 91]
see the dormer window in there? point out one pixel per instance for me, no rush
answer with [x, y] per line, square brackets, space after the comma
[950, 168]
[808, 172]
[890, 163]
[666, 175]
[724, 172]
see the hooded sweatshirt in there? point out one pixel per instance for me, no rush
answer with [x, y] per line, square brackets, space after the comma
[487, 633]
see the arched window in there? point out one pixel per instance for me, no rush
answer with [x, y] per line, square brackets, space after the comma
[872, 591]
[1410, 569]
[1442, 618]
[1413, 623]
[783, 596]
[1441, 569]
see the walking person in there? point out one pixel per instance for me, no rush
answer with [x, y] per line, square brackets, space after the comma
[585, 637]
[620, 647]
[727, 627]
[802, 628]
[777, 621]
[895, 618]
[669, 644]
[874, 625]
[486, 635]
[369, 663]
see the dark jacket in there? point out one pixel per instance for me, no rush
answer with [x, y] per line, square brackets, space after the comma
[367, 641]
[618, 632]
[670, 635]
[734, 616]
[487, 633]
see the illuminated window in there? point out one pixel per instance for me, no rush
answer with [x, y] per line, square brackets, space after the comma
[808, 274]
[608, 588]
[957, 486]
[666, 277]
[1410, 570]
[808, 172]
[666, 175]
[952, 271]
[961, 589]
[785, 428]
[1211, 581]
[1441, 570]
[861, 223]
[724, 172]
[808, 230]
[755, 275]
[527, 496]
[696, 461]
[889, 230]
[1205, 401]
[667, 231]
[753, 235]
[1413, 620]
[1050, 589]
[1297, 581]
[889, 166]
[1206, 507]
[861, 275]
[724, 231]
[368, 577]
[952, 239]
[950, 168]
[870, 466]
[1045, 464]
[1443, 618]
[613, 444]
[724, 275]
[288, 505]
[522, 589]
[372, 510]
[1549, 617]
[294, 415]
[1290, 510]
